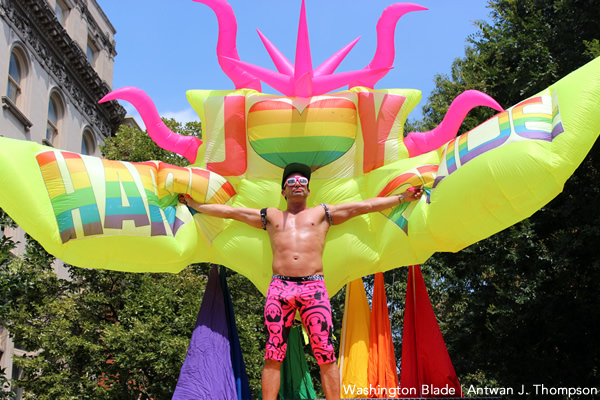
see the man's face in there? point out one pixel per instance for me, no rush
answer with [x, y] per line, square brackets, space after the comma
[297, 189]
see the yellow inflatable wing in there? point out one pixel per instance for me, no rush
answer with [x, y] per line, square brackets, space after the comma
[125, 216]
[100, 213]
[110, 214]
[509, 167]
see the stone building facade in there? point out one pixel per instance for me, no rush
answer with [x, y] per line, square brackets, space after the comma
[57, 57]
[56, 62]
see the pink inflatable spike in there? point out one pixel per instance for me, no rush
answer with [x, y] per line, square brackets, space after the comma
[386, 27]
[277, 81]
[419, 143]
[324, 84]
[186, 146]
[293, 81]
[304, 86]
[303, 62]
[281, 62]
[226, 45]
[330, 65]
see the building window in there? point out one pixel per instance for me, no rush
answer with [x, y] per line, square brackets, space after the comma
[55, 113]
[91, 51]
[14, 100]
[88, 144]
[15, 76]
[62, 11]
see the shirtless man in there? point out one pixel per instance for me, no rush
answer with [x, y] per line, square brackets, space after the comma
[297, 240]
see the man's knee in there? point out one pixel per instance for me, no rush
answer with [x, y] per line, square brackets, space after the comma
[328, 366]
[272, 364]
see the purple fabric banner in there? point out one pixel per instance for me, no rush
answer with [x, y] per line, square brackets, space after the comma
[207, 372]
[242, 385]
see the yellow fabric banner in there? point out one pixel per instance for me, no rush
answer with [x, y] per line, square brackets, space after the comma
[354, 347]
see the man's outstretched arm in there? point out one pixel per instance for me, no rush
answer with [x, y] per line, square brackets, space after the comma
[343, 212]
[250, 216]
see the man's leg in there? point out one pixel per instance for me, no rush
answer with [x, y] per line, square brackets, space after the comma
[271, 377]
[316, 317]
[330, 379]
[279, 315]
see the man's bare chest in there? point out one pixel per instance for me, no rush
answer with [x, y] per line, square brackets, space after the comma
[304, 221]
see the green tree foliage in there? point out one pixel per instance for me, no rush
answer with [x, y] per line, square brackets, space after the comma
[131, 144]
[7, 245]
[5, 392]
[103, 334]
[520, 308]
[528, 45]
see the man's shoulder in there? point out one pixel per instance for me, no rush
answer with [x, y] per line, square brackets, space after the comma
[271, 211]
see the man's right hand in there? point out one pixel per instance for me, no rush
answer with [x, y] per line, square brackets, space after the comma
[413, 194]
[183, 198]
[188, 201]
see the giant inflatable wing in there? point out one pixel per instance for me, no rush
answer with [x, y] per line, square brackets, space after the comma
[118, 215]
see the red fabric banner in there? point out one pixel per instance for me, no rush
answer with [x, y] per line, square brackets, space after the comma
[426, 369]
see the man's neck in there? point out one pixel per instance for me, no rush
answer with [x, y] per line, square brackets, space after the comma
[295, 207]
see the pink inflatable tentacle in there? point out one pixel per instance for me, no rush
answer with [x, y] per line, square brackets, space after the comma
[422, 142]
[281, 62]
[331, 64]
[186, 146]
[386, 28]
[226, 45]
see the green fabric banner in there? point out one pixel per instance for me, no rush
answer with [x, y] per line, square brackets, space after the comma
[295, 378]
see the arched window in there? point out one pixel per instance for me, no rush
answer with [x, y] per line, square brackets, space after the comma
[16, 72]
[88, 144]
[55, 114]
[15, 100]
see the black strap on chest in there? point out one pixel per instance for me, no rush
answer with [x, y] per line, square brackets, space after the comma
[263, 218]
[327, 213]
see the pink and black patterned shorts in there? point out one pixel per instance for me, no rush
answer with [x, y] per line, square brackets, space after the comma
[309, 296]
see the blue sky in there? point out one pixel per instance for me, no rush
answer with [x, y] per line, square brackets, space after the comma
[168, 47]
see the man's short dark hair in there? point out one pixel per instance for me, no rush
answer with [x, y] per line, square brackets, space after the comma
[295, 168]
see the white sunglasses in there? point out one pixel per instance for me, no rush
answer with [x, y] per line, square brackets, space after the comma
[292, 181]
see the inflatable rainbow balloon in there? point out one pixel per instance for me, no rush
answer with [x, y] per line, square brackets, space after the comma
[118, 215]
